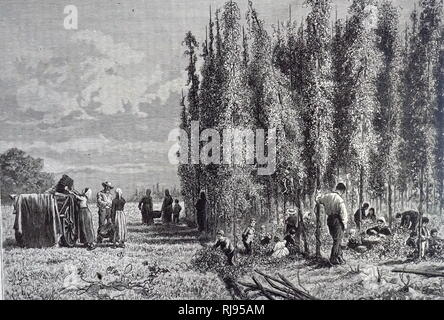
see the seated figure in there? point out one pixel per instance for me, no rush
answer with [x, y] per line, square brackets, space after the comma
[380, 230]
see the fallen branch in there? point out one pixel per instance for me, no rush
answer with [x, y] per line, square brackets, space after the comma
[426, 273]
[287, 288]
[280, 288]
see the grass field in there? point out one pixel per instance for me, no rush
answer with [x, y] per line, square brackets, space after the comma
[157, 264]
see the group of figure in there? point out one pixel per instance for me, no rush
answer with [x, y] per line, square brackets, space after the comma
[170, 212]
[283, 246]
[111, 214]
[431, 245]
[336, 211]
[410, 220]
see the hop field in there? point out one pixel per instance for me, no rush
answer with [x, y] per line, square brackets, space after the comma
[162, 262]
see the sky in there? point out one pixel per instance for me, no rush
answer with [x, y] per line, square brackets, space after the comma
[99, 102]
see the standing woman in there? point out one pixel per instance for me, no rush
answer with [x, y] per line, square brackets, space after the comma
[119, 219]
[146, 207]
[86, 228]
[201, 208]
[167, 207]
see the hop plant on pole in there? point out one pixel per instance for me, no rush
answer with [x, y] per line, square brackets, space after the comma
[189, 174]
[419, 102]
[353, 122]
[386, 117]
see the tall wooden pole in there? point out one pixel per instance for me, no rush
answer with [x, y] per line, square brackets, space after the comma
[420, 209]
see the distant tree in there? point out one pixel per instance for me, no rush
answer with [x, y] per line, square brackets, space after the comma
[21, 173]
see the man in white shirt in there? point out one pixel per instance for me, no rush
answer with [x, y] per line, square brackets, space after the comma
[336, 211]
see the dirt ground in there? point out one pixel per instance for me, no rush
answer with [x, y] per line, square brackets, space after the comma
[157, 263]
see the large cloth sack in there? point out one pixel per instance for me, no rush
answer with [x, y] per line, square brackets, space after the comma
[37, 222]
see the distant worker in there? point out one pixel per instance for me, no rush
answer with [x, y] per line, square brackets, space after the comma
[280, 249]
[167, 207]
[371, 215]
[104, 201]
[292, 222]
[424, 236]
[176, 211]
[146, 208]
[248, 236]
[361, 214]
[201, 209]
[435, 243]
[412, 240]
[264, 236]
[409, 219]
[119, 219]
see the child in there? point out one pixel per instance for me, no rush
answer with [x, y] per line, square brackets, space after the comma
[248, 236]
[119, 219]
[225, 244]
[265, 237]
[424, 236]
[435, 243]
[371, 215]
[176, 211]
[280, 250]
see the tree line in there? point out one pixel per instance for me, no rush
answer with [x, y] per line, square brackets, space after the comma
[356, 100]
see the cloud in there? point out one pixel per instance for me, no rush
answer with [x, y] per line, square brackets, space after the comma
[121, 168]
[58, 167]
[105, 155]
[47, 100]
[121, 53]
[90, 77]
[99, 144]
[165, 90]
[115, 94]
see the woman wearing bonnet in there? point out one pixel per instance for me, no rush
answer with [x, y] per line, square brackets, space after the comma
[86, 228]
[119, 219]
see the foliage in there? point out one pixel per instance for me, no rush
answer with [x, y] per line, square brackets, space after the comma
[349, 105]
[21, 173]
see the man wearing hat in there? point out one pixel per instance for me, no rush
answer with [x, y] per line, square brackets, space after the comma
[104, 202]
[292, 222]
